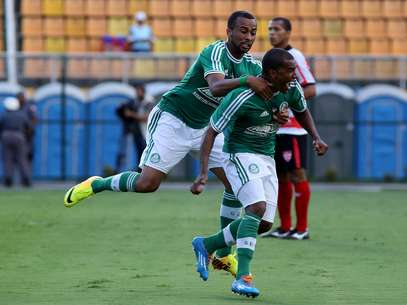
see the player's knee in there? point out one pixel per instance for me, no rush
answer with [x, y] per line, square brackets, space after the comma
[264, 226]
[258, 208]
[298, 175]
[147, 185]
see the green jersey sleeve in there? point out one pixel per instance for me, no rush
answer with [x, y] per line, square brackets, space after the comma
[210, 58]
[297, 100]
[255, 67]
[228, 111]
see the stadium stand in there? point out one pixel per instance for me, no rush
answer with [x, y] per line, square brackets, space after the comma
[180, 25]
[86, 28]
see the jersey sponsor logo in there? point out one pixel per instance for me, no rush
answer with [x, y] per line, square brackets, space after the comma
[254, 168]
[264, 113]
[155, 158]
[205, 96]
[287, 155]
[263, 130]
[227, 74]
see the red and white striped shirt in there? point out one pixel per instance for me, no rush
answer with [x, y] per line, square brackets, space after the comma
[304, 77]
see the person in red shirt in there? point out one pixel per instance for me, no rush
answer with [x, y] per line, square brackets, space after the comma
[291, 146]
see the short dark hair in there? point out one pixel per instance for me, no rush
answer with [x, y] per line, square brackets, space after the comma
[275, 58]
[232, 18]
[286, 23]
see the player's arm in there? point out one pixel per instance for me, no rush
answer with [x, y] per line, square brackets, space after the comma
[214, 73]
[309, 91]
[219, 86]
[226, 113]
[304, 75]
[206, 148]
[306, 121]
[303, 115]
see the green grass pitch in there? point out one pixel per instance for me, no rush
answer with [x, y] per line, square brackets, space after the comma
[121, 249]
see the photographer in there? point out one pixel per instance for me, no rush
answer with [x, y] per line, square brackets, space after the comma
[133, 115]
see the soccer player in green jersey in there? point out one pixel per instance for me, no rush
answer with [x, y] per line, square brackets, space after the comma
[250, 125]
[177, 124]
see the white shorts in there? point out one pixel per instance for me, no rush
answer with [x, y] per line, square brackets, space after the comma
[253, 178]
[169, 140]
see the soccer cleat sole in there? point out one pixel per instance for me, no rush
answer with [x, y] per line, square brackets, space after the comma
[247, 294]
[304, 238]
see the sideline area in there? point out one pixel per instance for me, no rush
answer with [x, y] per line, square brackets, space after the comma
[316, 186]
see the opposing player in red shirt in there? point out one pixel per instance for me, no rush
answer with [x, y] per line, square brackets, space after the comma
[291, 146]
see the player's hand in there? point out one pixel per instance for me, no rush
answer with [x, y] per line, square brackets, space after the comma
[320, 146]
[281, 117]
[199, 184]
[261, 87]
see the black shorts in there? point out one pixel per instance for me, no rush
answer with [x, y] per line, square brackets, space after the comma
[291, 152]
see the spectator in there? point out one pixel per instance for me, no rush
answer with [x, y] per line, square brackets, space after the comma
[13, 128]
[133, 115]
[147, 104]
[141, 36]
[29, 108]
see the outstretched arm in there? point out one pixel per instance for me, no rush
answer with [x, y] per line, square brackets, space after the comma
[206, 147]
[309, 91]
[219, 86]
[306, 121]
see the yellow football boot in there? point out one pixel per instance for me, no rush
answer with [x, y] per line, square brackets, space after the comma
[79, 192]
[227, 263]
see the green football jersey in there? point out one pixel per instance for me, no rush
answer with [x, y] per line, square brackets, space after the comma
[191, 100]
[246, 119]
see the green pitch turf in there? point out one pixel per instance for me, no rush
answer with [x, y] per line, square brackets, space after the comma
[121, 249]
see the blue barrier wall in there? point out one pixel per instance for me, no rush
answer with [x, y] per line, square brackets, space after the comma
[381, 134]
[48, 141]
[105, 128]
[93, 130]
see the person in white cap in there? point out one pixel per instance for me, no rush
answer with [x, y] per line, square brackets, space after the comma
[14, 123]
[141, 37]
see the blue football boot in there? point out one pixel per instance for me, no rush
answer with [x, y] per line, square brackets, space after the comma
[201, 256]
[244, 286]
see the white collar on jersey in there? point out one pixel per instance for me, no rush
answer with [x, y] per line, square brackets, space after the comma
[231, 57]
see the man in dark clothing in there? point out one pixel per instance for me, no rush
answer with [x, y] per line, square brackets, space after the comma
[13, 126]
[29, 108]
[133, 114]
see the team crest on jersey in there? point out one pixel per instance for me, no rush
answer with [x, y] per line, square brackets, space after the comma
[264, 113]
[155, 158]
[254, 168]
[287, 155]
[283, 106]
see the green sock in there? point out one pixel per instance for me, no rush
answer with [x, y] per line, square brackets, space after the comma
[123, 182]
[230, 210]
[246, 243]
[224, 238]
